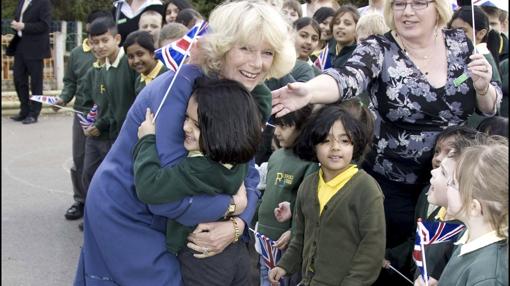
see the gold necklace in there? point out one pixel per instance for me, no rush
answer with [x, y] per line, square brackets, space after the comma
[408, 53]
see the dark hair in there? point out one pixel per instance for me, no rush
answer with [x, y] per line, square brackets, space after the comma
[181, 4]
[323, 13]
[142, 38]
[294, 5]
[305, 21]
[296, 118]
[319, 126]
[228, 118]
[481, 22]
[360, 112]
[97, 14]
[463, 135]
[188, 17]
[103, 25]
[347, 8]
[495, 125]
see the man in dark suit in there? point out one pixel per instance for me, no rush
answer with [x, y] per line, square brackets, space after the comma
[30, 45]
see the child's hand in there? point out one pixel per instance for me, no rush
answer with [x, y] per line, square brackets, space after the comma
[92, 131]
[419, 281]
[241, 200]
[147, 127]
[275, 275]
[283, 212]
[283, 241]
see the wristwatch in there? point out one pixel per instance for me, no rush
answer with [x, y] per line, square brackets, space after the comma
[231, 208]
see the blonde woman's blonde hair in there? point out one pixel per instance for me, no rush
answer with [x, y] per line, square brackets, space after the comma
[443, 10]
[242, 23]
[371, 24]
[482, 174]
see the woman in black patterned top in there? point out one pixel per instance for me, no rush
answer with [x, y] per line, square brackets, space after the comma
[421, 78]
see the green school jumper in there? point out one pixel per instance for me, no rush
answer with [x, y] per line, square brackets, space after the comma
[140, 83]
[192, 176]
[80, 61]
[119, 84]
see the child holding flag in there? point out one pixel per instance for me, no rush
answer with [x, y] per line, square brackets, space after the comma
[478, 196]
[338, 226]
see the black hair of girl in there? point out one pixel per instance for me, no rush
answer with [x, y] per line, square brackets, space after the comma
[457, 131]
[188, 17]
[142, 38]
[323, 13]
[228, 118]
[318, 128]
[181, 4]
[495, 125]
[103, 25]
[346, 8]
[481, 22]
[305, 21]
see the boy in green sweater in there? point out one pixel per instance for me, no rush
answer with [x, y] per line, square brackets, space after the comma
[80, 60]
[285, 172]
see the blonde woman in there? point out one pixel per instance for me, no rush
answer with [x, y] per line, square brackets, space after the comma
[124, 239]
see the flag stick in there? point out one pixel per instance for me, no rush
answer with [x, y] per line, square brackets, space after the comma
[424, 259]
[175, 75]
[399, 273]
[60, 106]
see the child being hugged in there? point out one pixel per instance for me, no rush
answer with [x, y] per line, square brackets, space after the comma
[139, 47]
[338, 234]
[285, 172]
[478, 196]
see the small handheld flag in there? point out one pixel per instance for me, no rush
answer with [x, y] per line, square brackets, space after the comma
[323, 61]
[51, 100]
[89, 119]
[265, 247]
[432, 232]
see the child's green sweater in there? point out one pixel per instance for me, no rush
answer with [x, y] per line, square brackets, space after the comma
[192, 176]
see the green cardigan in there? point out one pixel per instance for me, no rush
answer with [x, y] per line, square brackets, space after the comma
[139, 84]
[192, 176]
[345, 244]
[78, 64]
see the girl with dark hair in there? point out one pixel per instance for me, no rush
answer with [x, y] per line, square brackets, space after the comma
[486, 40]
[307, 38]
[188, 17]
[338, 232]
[222, 132]
[324, 16]
[172, 9]
[343, 29]
[139, 48]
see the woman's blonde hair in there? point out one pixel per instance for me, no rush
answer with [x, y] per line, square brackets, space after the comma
[245, 22]
[482, 174]
[443, 10]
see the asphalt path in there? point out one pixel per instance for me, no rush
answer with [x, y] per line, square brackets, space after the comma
[39, 246]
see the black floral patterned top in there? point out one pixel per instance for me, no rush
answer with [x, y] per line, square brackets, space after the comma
[409, 112]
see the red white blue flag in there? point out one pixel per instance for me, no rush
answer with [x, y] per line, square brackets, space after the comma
[173, 54]
[86, 121]
[432, 232]
[265, 247]
[323, 61]
[44, 99]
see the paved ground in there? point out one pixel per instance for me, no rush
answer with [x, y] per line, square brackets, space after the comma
[39, 247]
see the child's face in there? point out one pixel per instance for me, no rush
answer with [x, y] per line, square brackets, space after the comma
[325, 28]
[171, 13]
[344, 29]
[307, 40]
[152, 24]
[335, 153]
[286, 135]
[441, 177]
[290, 14]
[140, 59]
[441, 151]
[106, 45]
[190, 127]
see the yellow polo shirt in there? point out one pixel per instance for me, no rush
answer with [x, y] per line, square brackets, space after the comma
[326, 190]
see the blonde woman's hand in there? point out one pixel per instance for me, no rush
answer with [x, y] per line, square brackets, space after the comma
[147, 127]
[289, 98]
[419, 281]
[481, 72]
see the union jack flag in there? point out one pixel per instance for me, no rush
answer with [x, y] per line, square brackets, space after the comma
[323, 61]
[44, 99]
[89, 119]
[173, 54]
[432, 232]
[265, 247]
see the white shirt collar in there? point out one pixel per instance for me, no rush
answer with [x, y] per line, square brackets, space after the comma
[128, 12]
[482, 241]
[115, 64]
